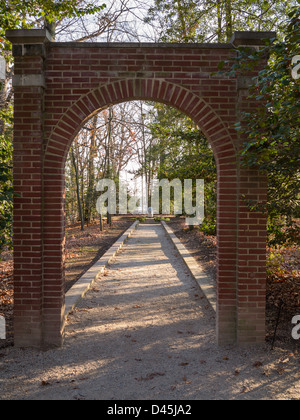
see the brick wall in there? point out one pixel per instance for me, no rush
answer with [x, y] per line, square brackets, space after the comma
[77, 80]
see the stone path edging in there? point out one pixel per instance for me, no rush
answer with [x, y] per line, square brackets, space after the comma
[85, 282]
[204, 281]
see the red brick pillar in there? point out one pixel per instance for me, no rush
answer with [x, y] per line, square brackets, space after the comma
[54, 240]
[39, 178]
[252, 232]
[227, 218]
[251, 247]
[29, 86]
[251, 291]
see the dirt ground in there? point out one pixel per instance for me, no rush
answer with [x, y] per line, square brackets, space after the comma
[283, 285]
[145, 332]
[83, 249]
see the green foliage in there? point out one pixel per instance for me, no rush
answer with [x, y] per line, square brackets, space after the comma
[182, 152]
[179, 19]
[273, 130]
[161, 219]
[209, 226]
[215, 20]
[6, 192]
[6, 179]
[275, 263]
[141, 218]
[180, 145]
[24, 14]
[15, 14]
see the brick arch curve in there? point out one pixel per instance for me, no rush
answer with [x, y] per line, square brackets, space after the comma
[57, 87]
[127, 90]
[94, 101]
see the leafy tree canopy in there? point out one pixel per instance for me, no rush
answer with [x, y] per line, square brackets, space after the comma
[273, 130]
[215, 20]
[182, 152]
[15, 14]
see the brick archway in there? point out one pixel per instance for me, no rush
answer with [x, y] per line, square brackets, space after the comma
[58, 87]
[127, 90]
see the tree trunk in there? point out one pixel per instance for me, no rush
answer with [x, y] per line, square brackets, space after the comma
[91, 172]
[78, 190]
[51, 28]
[109, 137]
[229, 24]
[101, 222]
[219, 13]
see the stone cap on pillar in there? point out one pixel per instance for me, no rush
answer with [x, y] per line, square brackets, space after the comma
[29, 42]
[251, 39]
[28, 36]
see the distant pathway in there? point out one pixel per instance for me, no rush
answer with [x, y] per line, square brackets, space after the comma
[144, 331]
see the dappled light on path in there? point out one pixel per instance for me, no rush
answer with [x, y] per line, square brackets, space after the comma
[145, 331]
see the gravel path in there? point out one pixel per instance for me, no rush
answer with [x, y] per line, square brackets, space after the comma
[145, 332]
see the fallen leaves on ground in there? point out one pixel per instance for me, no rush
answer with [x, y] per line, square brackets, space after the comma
[186, 381]
[45, 383]
[150, 376]
[257, 364]
[6, 286]
[82, 249]
[283, 281]
[283, 276]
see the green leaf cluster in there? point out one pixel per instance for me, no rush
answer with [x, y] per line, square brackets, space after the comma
[6, 192]
[273, 130]
[182, 152]
[214, 20]
[26, 14]
[15, 14]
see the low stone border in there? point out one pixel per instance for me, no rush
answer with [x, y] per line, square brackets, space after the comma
[204, 281]
[85, 282]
